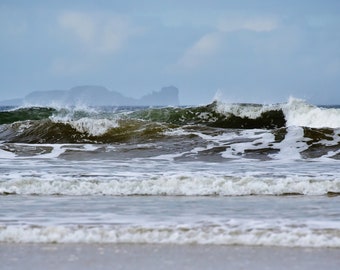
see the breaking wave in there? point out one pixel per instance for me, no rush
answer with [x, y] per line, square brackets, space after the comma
[294, 128]
[173, 185]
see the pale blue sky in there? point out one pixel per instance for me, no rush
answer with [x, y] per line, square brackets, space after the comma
[247, 50]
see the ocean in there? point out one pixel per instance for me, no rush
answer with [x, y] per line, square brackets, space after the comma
[218, 174]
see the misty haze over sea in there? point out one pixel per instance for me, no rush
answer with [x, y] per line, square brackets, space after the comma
[91, 95]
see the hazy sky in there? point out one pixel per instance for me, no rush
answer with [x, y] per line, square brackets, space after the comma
[247, 50]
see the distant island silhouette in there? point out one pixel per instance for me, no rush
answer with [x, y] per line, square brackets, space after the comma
[93, 95]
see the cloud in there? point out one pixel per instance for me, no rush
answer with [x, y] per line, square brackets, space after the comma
[91, 39]
[81, 24]
[209, 44]
[100, 33]
[203, 49]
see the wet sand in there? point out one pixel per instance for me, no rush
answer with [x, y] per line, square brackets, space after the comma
[127, 256]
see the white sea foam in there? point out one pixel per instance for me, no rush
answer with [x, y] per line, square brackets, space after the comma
[237, 143]
[6, 154]
[94, 127]
[299, 113]
[292, 145]
[176, 184]
[20, 151]
[251, 111]
[232, 232]
[85, 119]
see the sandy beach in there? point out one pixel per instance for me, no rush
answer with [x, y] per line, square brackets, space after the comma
[127, 256]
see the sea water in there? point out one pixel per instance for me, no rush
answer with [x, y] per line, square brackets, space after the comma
[222, 174]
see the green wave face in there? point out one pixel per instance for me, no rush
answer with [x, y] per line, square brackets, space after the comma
[47, 131]
[209, 116]
[22, 114]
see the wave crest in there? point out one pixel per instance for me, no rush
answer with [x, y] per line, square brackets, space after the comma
[299, 113]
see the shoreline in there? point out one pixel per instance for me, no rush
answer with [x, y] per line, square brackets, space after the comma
[164, 256]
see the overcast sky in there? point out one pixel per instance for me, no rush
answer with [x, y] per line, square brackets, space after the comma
[245, 50]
